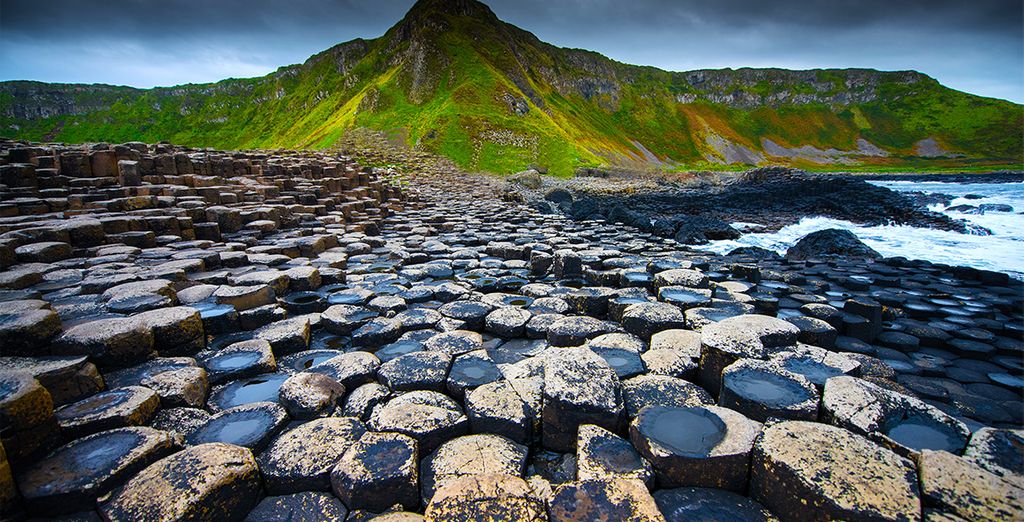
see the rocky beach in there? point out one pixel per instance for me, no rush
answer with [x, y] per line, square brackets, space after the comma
[192, 334]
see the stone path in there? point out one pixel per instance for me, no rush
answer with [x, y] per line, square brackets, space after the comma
[219, 336]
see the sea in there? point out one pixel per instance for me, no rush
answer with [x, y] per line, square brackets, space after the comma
[1002, 250]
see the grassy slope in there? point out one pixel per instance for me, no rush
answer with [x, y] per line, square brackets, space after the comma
[457, 109]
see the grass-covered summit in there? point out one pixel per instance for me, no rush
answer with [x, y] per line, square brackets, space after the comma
[452, 78]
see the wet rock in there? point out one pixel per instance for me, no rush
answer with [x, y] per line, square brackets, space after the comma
[308, 395]
[180, 421]
[964, 489]
[602, 455]
[72, 477]
[808, 471]
[26, 412]
[378, 471]
[301, 459]
[472, 313]
[286, 336]
[206, 482]
[377, 332]
[456, 342]
[998, 451]
[661, 390]
[705, 504]
[575, 331]
[182, 387]
[308, 359]
[500, 407]
[495, 496]
[244, 298]
[508, 321]
[238, 361]
[624, 362]
[830, 242]
[745, 336]
[698, 230]
[67, 379]
[364, 399]
[108, 342]
[904, 423]
[815, 364]
[416, 371]
[579, 388]
[670, 362]
[307, 506]
[139, 296]
[28, 332]
[343, 319]
[248, 425]
[176, 330]
[685, 297]
[262, 388]
[117, 408]
[469, 371]
[704, 446]
[646, 319]
[470, 455]
[681, 277]
[617, 499]
[45, 252]
[815, 331]
[762, 390]
[429, 417]
[350, 369]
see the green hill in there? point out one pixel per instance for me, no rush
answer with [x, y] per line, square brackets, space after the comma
[453, 79]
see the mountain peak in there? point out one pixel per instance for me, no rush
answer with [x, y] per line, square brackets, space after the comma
[428, 9]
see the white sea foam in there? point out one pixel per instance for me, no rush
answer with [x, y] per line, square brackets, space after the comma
[1002, 251]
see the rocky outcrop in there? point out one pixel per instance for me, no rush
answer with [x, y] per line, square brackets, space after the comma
[828, 243]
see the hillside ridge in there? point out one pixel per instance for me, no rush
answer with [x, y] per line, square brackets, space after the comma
[454, 79]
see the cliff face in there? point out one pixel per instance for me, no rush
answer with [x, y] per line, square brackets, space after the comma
[452, 78]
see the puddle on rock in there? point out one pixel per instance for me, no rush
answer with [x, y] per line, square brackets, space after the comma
[767, 388]
[690, 432]
[233, 361]
[919, 433]
[258, 389]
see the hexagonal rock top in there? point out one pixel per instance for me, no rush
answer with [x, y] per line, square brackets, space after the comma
[470, 455]
[206, 482]
[579, 388]
[705, 446]
[486, 497]
[751, 336]
[617, 499]
[809, 471]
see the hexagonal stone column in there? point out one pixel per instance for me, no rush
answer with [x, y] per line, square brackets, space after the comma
[750, 336]
[579, 388]
[206, 482]
[470, 455]
[809, 471]
[377, 472]
[704, 446]
[72, 477]
[302, 458]
[499, 496]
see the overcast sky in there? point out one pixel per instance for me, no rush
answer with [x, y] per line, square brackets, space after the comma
[972, 45]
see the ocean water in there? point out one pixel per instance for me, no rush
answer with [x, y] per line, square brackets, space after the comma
[1001, 251]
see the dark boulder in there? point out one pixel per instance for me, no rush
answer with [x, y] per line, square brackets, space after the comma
[830, 242]
[697, 230]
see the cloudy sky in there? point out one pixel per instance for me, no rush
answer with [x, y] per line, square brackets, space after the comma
[972, 45]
